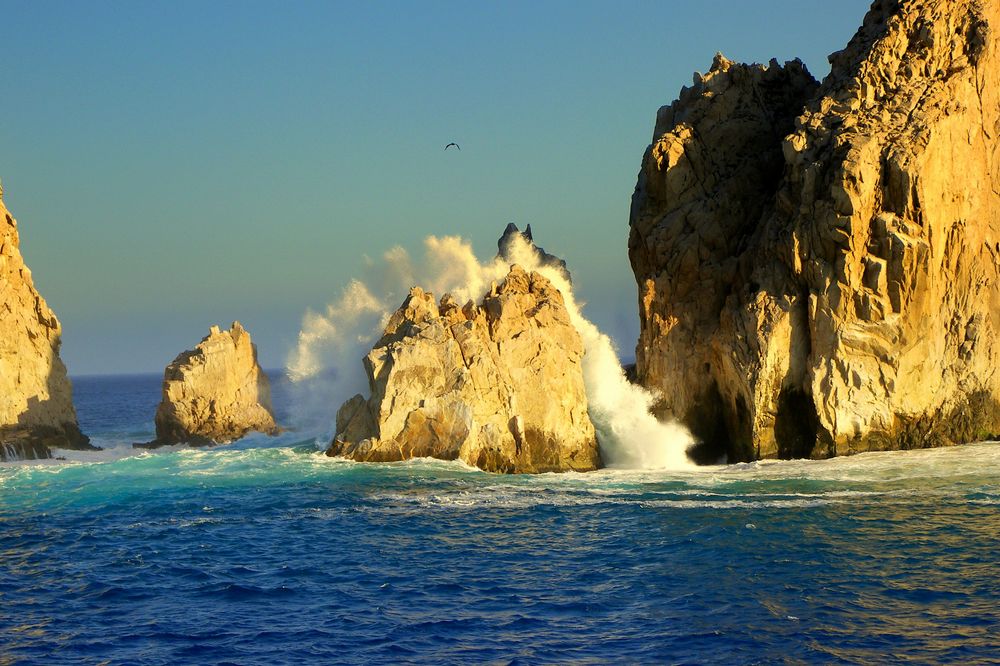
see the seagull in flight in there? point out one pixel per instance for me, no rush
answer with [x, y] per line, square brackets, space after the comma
[453, 144]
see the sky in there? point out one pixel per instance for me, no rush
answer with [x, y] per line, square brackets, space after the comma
[174, 165]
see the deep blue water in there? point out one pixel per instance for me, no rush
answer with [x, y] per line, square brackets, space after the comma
[267, 552]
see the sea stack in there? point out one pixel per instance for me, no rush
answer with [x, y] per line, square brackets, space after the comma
[36, 398]
[828, 284]
[498, 385]
[215, 393]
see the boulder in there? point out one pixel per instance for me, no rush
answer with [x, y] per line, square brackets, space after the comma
[215, 393]
[498, 385]
[36, 397]
[818, 267]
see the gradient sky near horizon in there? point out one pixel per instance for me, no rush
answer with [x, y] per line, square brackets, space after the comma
[178, 164]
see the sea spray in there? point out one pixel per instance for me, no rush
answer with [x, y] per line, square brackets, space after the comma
[630, 436]
[326, 366]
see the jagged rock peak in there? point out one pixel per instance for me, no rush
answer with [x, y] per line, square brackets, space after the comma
[36, 398]
[215, 393]
[841, 293]
[498, 385]
[506, 250]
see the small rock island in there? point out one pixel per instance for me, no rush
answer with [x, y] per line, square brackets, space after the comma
[215, 393]
[498, 385]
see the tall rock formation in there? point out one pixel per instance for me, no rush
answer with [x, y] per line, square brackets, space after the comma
[36, 398]
[498, 385]
[830, 286]
[215, 393]
[706, 180]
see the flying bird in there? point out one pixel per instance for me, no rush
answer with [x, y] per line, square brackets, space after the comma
[453, 144]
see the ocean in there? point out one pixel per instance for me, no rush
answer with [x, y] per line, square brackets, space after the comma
[268, 552]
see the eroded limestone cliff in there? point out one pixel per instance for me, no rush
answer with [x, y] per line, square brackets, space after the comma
[828, 283]
[215, 393]
[36, 399]
[498, 385]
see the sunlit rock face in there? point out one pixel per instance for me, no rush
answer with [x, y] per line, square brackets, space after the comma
[36, 399]
[498, 385]
[829, 284]
[215, 393]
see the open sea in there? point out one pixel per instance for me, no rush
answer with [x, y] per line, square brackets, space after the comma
[267, 552]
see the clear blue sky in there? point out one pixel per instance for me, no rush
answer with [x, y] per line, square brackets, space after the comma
[179, 164]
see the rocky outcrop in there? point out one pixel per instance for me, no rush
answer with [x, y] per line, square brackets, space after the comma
[498, 385]
[36, 398]
[215, 393]
[829, 284]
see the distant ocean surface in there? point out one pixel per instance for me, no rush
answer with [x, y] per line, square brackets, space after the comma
[267, 552]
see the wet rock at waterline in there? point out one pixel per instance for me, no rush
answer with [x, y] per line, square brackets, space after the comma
[215, 393]
[498, 385]
[36, 398]
[827, 284]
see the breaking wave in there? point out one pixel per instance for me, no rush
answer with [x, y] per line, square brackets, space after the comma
[325, 364]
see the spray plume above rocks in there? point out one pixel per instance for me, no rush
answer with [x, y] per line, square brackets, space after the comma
[519, 335]
[818, 264]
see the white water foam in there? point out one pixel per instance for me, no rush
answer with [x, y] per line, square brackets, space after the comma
[326, 366]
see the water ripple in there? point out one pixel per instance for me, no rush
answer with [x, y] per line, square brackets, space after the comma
[280, 555]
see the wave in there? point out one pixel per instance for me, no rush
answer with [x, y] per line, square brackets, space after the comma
[965, 474]
[325, 361]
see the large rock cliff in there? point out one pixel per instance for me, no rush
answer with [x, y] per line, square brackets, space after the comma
[215, 393]
[828, 284]
[498, 385]
[36, 399]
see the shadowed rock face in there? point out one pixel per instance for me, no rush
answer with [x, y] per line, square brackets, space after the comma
[709, 176]
[506, 244]
[215, 393]
[830, 286]
[36, 398]
[498, 385]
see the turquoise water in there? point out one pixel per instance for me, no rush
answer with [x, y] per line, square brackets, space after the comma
[268, 552]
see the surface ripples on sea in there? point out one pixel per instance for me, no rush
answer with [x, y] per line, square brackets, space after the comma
[280, 555]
